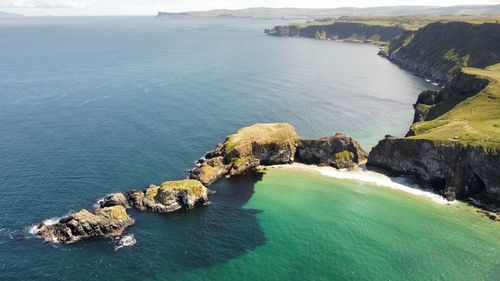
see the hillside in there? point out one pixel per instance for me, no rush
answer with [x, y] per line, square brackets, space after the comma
[439, 50]
[298, 13]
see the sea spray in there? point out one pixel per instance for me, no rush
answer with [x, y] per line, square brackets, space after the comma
[379, 179]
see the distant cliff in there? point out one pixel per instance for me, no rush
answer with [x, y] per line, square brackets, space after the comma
[348, 31]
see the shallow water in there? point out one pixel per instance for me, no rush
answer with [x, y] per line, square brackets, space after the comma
[90, 106]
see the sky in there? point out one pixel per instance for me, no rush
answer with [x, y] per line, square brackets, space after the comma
[150, 7]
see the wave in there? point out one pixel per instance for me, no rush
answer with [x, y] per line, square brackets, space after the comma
[33, 229]
[398, 183]
[126, 241]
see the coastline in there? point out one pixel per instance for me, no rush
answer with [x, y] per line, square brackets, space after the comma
[361, 174]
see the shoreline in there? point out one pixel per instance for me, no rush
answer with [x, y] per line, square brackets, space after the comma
[371, 177]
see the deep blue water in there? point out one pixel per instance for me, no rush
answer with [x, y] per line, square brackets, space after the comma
[90, 106]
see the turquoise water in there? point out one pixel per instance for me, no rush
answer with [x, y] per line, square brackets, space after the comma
[90, 106]
[320, 228]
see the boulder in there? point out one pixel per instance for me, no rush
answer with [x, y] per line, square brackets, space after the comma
[114, 199]
[104, 222]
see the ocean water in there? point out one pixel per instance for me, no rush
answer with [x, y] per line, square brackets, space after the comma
[90, 106]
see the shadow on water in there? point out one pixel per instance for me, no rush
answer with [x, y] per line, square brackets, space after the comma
[166, 244]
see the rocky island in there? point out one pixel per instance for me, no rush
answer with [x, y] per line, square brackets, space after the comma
[273, 144]
[110, 219]
[240, 153]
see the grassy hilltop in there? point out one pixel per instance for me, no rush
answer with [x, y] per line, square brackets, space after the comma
[474, 121]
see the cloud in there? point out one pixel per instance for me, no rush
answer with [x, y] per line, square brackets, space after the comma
[45, 4]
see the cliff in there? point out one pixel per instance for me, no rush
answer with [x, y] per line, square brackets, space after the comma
[439, 50]
[271, 144]
[454, 145]
[455, 170]
[347, 31]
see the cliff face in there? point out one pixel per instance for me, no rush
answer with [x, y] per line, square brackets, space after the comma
[439, 50]
[340, 31]
[339, 151]
[458, 171]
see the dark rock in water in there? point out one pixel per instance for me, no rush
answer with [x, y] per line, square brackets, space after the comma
[104, 222]
[339, 151]
[457, 170]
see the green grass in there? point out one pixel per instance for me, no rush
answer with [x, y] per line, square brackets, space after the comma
[343, 156]
[408, 22]
[275, 133]
[474, 121]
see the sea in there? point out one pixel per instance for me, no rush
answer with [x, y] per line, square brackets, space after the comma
[94, 105]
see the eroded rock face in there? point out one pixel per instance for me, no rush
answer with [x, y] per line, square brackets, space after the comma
[167, 197]
[458, 171]
[260, 144]
[339, 151]
[104, 222]
[170, 196]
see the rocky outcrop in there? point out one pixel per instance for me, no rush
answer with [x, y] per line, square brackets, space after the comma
[272, 144]
[260, 144]
[168, 197]
[111, 218]
[456, 170]
[104, 222]
[339, 151]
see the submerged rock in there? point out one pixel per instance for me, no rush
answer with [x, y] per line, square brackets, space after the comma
[104, 222]
[339, 151]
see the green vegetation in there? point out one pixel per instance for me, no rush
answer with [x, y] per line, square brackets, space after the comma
[474, 121]
[343, 156]
[191, 187]
[261, 134]
[407, 22]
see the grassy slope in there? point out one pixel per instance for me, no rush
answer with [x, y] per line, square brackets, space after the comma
[409, 22]
[474, 121]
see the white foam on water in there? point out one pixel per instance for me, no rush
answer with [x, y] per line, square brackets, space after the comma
[126, 241]
[372, 178]
[34, 228]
